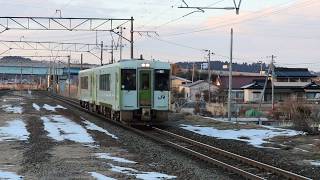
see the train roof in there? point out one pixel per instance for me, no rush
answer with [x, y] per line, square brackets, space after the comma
[134, 63]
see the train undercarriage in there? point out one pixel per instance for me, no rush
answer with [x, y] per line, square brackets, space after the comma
[142, 116]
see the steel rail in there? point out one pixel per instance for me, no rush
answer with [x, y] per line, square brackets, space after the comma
[269, 168]
[206, 158]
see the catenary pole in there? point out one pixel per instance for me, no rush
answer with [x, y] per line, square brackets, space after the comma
[131, 39]
[101, 55]
[272, 81]
[81, 61]
[69, 76]
[230, 76]
[209, 74]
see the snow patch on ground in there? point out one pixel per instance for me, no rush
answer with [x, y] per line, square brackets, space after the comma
[140, 174]
[237, 119]
[61, 128]
[255, 137]
[113, 158]
[315, 162]
[92, 126]
[36, 106]
[15, 129]
[9, 175]
[99, 176]
[53, 108]
[12, 109]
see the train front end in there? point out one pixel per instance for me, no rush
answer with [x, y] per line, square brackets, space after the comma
[145, 92]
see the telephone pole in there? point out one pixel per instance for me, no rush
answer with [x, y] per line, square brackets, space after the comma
[121, 31]
[131, 39]
[69, 76]
[101, 55]
[209, 73]
[193, 72]
[81, 62]
[272, 81]
[111, 61]
[230, 76]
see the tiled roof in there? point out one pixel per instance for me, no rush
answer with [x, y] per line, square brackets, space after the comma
[179, 78]
[293, 72]
[194, 83]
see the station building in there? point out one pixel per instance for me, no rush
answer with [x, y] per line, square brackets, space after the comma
[22, 73]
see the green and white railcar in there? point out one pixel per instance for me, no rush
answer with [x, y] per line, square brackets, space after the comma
[132, 91]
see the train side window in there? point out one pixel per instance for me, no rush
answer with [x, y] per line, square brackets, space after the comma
[161, 79]
[104, 82]
[128, 79]
[84, 82]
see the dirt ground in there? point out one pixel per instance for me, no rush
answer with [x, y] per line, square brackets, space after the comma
[41, 138]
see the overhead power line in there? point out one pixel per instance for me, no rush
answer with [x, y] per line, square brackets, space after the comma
[246, 18]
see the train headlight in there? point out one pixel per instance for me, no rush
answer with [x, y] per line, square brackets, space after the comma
[145, 65]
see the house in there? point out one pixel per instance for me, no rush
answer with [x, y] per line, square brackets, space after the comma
[289, 83]
[176, 82]
[238, 81]
[199, 87]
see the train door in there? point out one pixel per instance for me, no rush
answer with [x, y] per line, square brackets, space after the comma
[145, 88]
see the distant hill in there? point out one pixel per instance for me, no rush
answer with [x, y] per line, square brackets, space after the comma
[9, 59]
[218, 65]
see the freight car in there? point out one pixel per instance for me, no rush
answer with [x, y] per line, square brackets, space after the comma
[132, 91]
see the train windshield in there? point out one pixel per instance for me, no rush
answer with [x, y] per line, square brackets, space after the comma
[162, 81]
[128, 79]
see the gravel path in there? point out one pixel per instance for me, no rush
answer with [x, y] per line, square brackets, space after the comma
[46, 154]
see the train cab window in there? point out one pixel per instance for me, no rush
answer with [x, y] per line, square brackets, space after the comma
[162, 81]
[104, 82]
[128, 79]
[84, 82]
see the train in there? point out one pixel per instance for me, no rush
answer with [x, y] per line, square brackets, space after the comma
[132, 91]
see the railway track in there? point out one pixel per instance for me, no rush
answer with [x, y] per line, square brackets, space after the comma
[233, 163]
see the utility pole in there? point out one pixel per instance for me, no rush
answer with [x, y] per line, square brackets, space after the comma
[101, 55]
[20, 76]
[111, 61]
[131, 39]
[69, 76]
[81, 61]
[193, 72]
[230, 76]
[272, 81]
[121, 28]
[209, 72]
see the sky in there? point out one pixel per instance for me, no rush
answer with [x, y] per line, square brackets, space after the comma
[288, 29]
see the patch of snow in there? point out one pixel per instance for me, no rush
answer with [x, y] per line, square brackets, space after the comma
[92, 145]
[255, 137]
[315, 162]
[53, 108]
[61, 128]
[303, 150]
[92, 126]
[99, 176]
[4, 100]
[15, 129]
[9, 175]
[140, 174]
[153, 175]
[237, 119]
[116, 159]
[36, 106]
[12, 109]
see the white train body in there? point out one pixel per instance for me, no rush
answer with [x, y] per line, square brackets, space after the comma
[133, 91]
